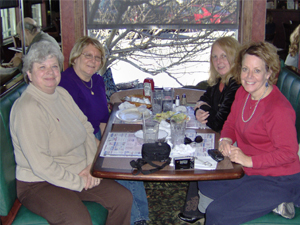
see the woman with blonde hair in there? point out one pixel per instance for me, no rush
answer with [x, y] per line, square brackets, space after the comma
[87, 88]
[214, 107]
[293, 57]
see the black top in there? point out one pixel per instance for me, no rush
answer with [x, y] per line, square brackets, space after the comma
[220, 103]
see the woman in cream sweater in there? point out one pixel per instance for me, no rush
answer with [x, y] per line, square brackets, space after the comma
[54, 147]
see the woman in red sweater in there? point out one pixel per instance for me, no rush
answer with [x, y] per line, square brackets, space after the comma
[262, 123]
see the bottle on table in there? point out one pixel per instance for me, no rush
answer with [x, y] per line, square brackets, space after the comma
[183, 100]
[148, 87]
[177, 101]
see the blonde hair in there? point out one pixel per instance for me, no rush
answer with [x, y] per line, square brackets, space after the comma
[294, 39]
[266, 52]
[83, 42]
[230, 46]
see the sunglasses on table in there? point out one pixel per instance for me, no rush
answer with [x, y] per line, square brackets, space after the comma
[198, 139]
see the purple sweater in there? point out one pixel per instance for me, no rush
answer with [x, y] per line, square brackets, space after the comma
[93, 106]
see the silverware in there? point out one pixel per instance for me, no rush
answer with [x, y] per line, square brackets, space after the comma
[206, 163]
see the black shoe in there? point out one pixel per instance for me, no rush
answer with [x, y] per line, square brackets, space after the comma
[189, 219]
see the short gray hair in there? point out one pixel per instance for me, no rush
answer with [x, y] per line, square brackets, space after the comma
[40, 52]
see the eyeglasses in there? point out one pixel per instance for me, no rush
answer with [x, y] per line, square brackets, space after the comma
[198, 139]
[90, 56]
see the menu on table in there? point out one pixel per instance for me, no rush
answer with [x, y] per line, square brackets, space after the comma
[125, 144]
[119, 144]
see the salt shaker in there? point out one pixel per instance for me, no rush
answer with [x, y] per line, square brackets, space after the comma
[183, 100]
[177, 101]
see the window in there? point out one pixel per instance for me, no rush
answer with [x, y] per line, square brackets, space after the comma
[37, 13]
[8, 22]
[168, 40]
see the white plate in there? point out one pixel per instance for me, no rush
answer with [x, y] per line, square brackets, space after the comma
[161, 134]
[132, 114]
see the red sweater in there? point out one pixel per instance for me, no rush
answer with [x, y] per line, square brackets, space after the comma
[270, 137]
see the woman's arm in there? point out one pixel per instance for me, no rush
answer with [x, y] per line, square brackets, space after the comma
[217, 118]
[280, 128]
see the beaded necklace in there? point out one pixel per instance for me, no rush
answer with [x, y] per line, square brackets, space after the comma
[245, 121]
[90, 88]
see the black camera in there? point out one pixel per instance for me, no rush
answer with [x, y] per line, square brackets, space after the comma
[184, 162]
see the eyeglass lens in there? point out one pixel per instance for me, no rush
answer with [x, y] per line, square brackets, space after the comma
[89, 56]
[198, 139]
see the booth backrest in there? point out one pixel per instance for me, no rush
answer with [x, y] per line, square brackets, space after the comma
[289, 85]
[7, 159]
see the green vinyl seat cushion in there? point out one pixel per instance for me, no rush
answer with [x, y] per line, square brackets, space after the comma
[274, 219]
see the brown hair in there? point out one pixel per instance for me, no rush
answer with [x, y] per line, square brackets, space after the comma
[266, 52]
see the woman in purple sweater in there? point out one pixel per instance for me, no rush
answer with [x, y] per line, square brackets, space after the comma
[87, 88]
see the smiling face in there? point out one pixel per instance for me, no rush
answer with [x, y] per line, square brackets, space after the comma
[46, 75]
[254, 75]
[220, 61]
[88, 63]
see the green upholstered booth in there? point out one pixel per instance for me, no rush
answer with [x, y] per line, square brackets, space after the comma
[11, 210]
[289, 84]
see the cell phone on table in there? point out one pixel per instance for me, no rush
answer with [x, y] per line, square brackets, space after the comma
[215, 154]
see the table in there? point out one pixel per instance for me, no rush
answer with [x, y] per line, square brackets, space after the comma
[119, 168]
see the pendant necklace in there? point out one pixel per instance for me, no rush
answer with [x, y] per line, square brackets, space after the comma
[245, 121]
[90, 88]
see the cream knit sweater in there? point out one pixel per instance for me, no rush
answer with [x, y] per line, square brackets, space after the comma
[52, 139]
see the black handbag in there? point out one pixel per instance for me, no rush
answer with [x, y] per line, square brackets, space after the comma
[152, 152]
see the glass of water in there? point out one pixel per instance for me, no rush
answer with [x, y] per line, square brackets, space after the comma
[150, 131]
[156, 101]
[168, 96]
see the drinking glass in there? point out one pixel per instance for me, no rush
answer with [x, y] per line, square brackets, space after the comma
[177, 131]
[150, 131]
[156, 101]
[168, 96]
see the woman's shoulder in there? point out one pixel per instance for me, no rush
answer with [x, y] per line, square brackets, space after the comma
[233, 83]
[279, 99]
[241, 93]
[97, 78]
[63, 93]
[68, 74]
[27, 102]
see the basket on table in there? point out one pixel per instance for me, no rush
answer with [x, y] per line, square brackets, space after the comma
[137, 100]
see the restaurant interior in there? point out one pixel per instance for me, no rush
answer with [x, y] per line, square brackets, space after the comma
[66, 21]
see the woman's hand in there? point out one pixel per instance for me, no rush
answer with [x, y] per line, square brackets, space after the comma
[198, 104]
[236, 155]
[202, 116]
[17, 59]
[90, 181]
[225, 146]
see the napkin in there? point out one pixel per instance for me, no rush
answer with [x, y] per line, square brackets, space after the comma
[181, 150]
[205, 163]
[202, 162]
[126, 105]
